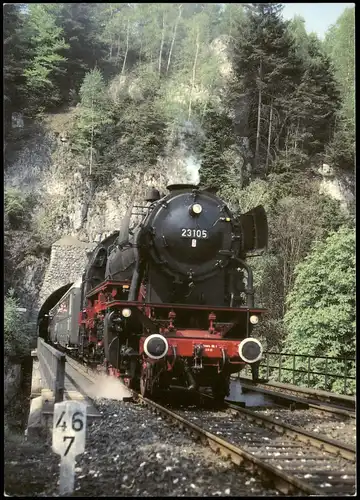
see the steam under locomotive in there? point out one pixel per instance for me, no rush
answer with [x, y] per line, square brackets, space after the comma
[165, 304]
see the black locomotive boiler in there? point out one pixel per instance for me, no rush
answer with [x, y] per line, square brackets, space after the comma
[169, 302]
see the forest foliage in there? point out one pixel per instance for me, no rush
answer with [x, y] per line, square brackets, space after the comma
[258, 101]
[321, 307]
[17, 340]
[161, 64]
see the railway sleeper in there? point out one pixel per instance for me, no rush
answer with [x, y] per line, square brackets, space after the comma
[330, 489]
[263, 456]
[204, 440]
[280, 446]
[273, 480]
[312, 440]
[328, 473]
[281, 485]
[339, 481]
[237, 459]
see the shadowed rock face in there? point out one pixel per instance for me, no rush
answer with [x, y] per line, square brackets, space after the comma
[335, 186]
[28, 157]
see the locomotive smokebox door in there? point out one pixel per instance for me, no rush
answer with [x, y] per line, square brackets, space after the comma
[189, 229]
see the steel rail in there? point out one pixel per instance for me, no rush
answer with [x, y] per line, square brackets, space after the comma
[283, 481]
[334, 411]
[313, 396]
[296, 402]
[322, 442]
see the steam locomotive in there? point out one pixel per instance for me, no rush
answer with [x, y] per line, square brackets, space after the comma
[169, 302]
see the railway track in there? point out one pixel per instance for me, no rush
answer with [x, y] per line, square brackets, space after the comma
[295, 461]
[318, 400]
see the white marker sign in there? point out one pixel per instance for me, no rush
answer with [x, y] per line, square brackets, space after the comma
[69, 430]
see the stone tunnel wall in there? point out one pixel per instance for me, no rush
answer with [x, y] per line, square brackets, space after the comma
[69, 257]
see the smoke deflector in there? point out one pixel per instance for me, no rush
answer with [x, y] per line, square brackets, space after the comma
[255, 229]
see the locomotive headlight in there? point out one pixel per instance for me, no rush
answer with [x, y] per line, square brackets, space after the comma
[197, 208]
[254, 320]
[126, 313]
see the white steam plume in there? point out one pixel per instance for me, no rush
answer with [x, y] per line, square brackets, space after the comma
[192, 170]
[109, 388]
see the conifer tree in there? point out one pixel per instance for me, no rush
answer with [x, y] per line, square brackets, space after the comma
[340, 45]
[291, 94]
[319, 99]
[80, 32]
[214, 171]
[93, 115]
[266, 70]
[139, 134]
[16, 59]
[44, 67]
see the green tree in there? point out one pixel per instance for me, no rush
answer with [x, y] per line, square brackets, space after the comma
[18, 206]
[320, 98]
[287, 83]
[214, 172]
[16, 338]
[140, 132]
[44, 67]
[231, 16]
[340, 151]
[91, 133]
[266, 70]
[198, 72]
[340, 45]
[310, 111]
[320, 319]
[298, 33]
[16, 59]
[120, 33]
[85, 50]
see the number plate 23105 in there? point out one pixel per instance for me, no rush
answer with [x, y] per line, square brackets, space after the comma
[194, 233]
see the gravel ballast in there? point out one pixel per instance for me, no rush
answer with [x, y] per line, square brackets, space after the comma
[130, 451]
[327, 425]
[280, 451]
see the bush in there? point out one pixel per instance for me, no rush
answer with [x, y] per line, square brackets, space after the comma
[18, 206]
[258, 192]
[320, 319]
[17, 339]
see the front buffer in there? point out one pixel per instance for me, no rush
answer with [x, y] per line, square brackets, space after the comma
[193, 359]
